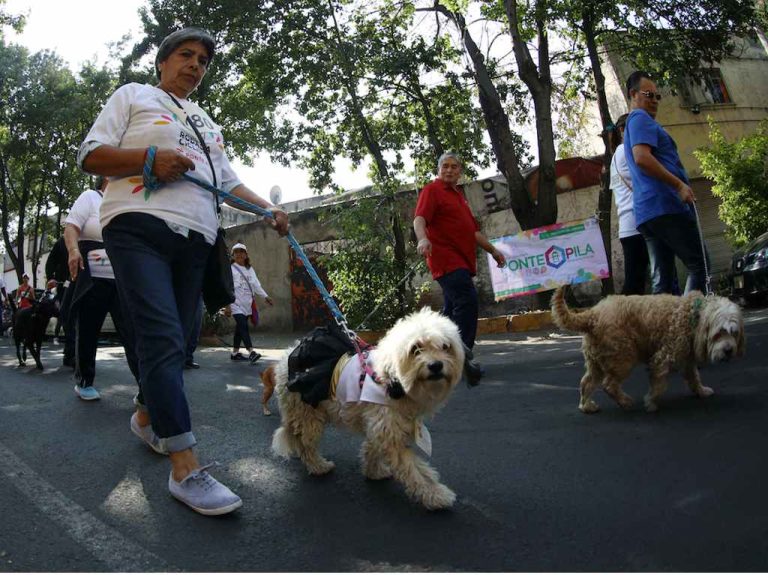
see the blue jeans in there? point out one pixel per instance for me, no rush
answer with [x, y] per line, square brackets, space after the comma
[194, 335]
[460, 303]
[673, 235]
[159, 276]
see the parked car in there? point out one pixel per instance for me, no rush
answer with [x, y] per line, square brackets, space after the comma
[749, 271]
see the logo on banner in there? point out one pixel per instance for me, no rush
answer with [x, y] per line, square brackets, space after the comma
[544, 258]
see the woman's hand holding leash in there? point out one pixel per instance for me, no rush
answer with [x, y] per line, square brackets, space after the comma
[280, 221]
[170, 165]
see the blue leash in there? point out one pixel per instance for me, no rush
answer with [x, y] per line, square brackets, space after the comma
[151, 183]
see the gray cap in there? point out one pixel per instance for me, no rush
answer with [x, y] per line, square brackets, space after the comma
[177, 38]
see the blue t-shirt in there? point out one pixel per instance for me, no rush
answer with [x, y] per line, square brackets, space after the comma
[651, 197]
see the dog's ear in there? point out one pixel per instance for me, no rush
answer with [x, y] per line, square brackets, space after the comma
[701, 334]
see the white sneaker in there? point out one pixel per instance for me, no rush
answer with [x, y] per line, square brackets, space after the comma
[200, 491]
[147, 435]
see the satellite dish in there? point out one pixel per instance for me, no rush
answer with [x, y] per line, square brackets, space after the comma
[275, 195]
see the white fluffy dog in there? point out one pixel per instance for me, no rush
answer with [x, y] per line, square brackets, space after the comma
[424, 352]
[664, 331]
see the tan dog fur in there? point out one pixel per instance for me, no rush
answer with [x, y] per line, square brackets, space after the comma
[404, 353]
[666, 332]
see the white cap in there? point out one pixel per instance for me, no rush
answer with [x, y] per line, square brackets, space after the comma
[239, 246]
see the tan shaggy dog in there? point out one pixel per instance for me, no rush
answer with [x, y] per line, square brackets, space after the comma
[664, 331]
[424, 352]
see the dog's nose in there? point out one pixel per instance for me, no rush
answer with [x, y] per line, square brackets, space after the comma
[435, 366]
[728, 353]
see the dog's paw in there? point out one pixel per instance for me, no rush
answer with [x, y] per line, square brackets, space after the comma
[589, 407]
[377, 473]
[321, 467]
[650, 406]
[705, 391]
[438, 497]
[626, 402]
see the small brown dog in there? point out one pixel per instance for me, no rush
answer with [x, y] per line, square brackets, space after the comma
[664, 331]
[268, 380]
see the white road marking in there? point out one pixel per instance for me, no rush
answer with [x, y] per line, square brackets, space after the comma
[103, 542]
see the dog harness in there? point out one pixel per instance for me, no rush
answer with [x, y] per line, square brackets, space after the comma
[351, 382]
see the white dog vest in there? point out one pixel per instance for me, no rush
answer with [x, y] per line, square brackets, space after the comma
[347, 387]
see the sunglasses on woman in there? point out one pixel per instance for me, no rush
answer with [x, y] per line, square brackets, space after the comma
[651, 95]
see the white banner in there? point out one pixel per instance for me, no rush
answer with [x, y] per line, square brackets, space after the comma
[548, 257]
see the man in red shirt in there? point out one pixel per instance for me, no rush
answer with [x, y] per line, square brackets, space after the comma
[448, 236]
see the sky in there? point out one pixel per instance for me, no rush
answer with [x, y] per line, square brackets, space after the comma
[79, 30]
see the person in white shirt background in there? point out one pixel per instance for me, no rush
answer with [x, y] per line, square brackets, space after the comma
[94, 290]
[632, 242]
[247, 287]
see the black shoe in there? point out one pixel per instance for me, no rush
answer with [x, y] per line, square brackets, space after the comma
[473, 372]
[191, 364]
[237, 357]
[254, 356]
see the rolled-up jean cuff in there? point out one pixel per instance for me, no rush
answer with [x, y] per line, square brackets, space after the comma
[140, 406]
[179, 442]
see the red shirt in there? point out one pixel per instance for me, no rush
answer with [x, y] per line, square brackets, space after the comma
[451, 228]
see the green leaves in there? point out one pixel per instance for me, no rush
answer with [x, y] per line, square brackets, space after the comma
[739, 170]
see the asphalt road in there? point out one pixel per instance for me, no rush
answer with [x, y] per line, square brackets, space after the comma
[541, 487]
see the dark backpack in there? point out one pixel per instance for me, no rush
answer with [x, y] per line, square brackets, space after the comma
[310, 365]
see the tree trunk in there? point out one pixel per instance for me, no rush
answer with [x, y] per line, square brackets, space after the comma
[372, 144]
[604, 205]
[6, 188]
[539, 83]
[429, 120]
[497, 125]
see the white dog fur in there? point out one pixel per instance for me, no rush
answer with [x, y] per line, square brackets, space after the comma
[664, 331]
[405, 353]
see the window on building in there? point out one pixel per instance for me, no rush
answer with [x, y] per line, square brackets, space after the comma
[714, 87]
[709, 88]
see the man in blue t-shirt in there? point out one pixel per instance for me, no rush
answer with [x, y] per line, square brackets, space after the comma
[662, 198]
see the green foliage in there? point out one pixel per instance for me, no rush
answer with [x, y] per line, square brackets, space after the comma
[363, 267]
[46, 114]
[739, 170]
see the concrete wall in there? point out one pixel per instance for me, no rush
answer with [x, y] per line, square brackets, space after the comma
[270, 254]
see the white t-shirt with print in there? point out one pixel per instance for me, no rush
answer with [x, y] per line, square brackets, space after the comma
[140, 115]
[85, 215]
[620, 175]
[246, 283]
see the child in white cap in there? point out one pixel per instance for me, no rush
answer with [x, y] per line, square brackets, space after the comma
[247, 287]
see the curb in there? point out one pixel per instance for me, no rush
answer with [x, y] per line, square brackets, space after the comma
[515, 323]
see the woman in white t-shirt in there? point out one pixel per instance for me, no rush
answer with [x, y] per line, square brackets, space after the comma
[632, 242]
[94, 290]
[247, 287]
[159, 241]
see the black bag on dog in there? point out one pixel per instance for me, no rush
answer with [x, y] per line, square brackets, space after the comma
[310, 365]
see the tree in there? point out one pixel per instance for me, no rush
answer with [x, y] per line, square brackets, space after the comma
[335, 79]
[739, 170]
[46, 115]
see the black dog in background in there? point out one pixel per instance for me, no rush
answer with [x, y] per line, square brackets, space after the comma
[29, 327]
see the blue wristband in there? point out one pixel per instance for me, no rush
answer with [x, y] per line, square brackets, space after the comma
[151, 182]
